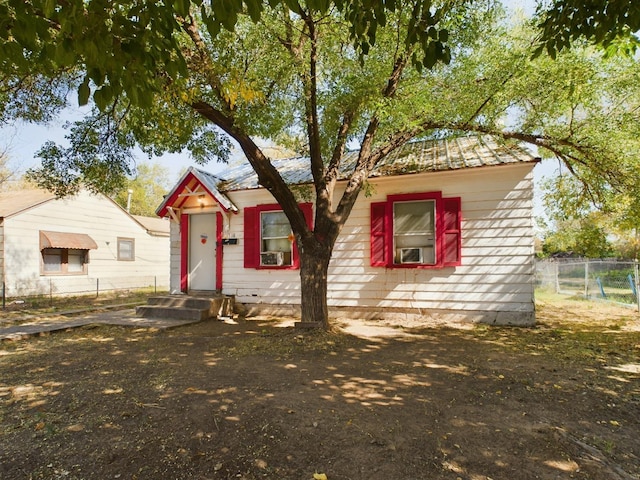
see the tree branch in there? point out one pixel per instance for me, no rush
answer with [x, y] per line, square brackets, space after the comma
[191, 29]
[338, 150]
[268, 175]
[490, 97]
[310, 85]
[364, 164]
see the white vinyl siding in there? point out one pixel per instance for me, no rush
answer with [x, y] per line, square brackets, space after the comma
[497, 270]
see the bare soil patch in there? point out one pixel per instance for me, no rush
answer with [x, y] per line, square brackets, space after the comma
[254, 399]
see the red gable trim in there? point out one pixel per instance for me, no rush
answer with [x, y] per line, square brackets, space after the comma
[176, 201]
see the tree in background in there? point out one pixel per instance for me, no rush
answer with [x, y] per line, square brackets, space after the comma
[604, 221]
[6, 172]
[587, 226]
[583, 237]
[323, 75]
[148, 187]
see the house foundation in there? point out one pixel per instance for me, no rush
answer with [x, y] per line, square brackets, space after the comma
[404, 316]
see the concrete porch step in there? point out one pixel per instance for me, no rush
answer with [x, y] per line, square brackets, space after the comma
[176, 313]
[181, 301]
[187, 307]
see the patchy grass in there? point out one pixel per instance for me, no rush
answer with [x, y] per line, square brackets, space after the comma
[43, 305]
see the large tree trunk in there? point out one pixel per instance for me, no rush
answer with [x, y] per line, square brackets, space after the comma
[314, 265]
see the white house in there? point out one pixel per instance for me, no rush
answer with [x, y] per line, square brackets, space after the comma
[78, 244]
[445, 230]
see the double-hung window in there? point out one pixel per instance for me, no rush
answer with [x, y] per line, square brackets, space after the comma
[268, 239]
[126, 249]
[276, 240]
[416, 231]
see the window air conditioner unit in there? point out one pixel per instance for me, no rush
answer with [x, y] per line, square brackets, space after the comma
[411, 255]
[272, 258]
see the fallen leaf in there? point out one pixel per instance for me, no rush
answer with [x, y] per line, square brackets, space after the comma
[319, 476]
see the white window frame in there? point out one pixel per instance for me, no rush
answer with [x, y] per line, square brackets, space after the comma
[424, 241]
[283, 257]
[132, 251]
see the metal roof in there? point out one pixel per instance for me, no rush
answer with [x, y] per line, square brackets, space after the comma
[211, 182]
[413, 157]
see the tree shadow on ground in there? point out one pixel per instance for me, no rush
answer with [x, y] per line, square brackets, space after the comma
[255, 399]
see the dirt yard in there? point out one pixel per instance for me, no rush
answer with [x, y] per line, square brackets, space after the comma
[256, 399]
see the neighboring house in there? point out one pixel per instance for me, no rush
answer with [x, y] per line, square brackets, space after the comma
[77, 244]
[443, 229]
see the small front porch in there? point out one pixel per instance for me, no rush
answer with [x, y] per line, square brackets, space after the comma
[195, 306]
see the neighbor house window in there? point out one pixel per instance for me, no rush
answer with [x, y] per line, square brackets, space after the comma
[416, 231]
[76, 261]
[126, 249]
[64, 261]
[268, 239]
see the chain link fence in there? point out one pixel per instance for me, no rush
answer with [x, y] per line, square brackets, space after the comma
[606, 280]
[54, 290]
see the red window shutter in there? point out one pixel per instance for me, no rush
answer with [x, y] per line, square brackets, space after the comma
[378, 234]
[251, 238]
[307, 211]
[452, 239]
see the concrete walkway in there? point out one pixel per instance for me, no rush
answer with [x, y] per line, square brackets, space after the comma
[36, 325]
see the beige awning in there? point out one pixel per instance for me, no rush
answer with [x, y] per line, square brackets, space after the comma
[79, 241]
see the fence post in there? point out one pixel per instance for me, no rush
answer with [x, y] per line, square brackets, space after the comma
[556, 270]
[51, 292]
[4, 295]
[635, 272]
[155, 284]
[97, 287]
[586, 279]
